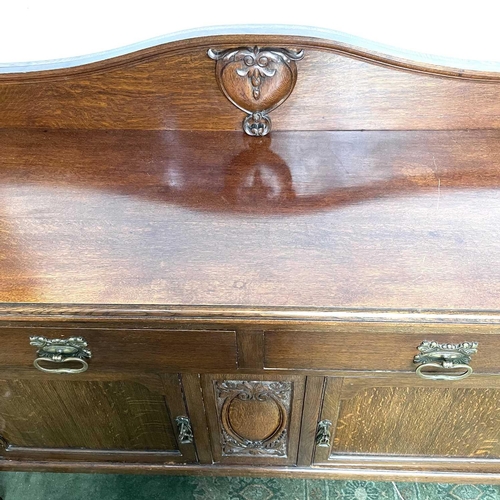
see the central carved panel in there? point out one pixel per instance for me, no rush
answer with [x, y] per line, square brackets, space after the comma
[254, 417]
[256, 80]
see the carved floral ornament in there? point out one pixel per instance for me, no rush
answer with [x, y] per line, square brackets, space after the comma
[257, 81]
[58, 349]
[237, 398]
[448, 354]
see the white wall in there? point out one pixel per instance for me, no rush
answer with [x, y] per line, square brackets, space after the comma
[34, 30]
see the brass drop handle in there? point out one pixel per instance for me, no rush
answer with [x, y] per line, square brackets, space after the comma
[184, 429]
[59, 351]
[446, 357]
[323, 433]
[83, 368]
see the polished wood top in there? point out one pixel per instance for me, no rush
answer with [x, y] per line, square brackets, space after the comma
[387, 219]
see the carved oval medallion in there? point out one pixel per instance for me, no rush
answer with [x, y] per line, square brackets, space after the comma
[263, 84]
[254, 420]
[254, 417]
[256, 81]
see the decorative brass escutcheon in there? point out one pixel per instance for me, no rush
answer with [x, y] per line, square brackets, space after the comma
[257, 81]
[61, 351]
[323, 433]
[446, 356]
[184, 429]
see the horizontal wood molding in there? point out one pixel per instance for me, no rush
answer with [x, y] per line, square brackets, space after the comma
[42, 313]
[86, 455]
[228, 41]
[343, 471]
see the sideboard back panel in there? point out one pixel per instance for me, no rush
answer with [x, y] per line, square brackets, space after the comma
[173, 86]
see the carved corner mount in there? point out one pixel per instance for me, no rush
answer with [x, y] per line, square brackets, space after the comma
[323, 434]
[256, 80]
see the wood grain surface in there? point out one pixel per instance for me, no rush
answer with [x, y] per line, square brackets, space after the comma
[173, 87]
[373, 346]
[130, 349]
[334, 219]
[437, 422]
[91, 414]
[310, 416]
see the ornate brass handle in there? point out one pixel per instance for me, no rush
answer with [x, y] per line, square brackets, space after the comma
[184, 428]
[61, 351]
[323, 433]
[445, 356]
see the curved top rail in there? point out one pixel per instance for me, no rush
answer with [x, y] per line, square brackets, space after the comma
[173, 86]
[312, 36]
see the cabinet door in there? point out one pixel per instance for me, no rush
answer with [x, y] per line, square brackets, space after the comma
[254, 419]
[403, 420]
[95, 417]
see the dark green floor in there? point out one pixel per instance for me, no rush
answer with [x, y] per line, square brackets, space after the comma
[49, 486]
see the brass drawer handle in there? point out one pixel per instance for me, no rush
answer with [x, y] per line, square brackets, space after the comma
[84, 367]
[445, 356]
[61, 351]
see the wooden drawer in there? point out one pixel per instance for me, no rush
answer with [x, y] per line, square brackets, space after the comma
[130, 349]
[374, 346]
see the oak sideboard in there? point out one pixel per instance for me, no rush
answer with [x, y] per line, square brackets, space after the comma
[255, 254]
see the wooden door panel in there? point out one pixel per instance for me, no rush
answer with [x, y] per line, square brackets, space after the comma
[254, 419]
[401, 417]
[114, 419]
[420, 421]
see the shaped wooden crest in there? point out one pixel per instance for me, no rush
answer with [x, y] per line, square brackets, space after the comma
[256, 81]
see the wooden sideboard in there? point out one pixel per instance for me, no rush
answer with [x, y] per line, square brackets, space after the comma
[180, 296]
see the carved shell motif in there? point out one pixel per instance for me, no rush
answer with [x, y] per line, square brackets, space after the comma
[256, 81]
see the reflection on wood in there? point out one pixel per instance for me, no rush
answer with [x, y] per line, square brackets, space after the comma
[20, 285]
[220, 218]
[289, 173]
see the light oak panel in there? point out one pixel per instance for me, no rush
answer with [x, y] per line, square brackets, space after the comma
[112, 420]
[441, 422]
[415, 422]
